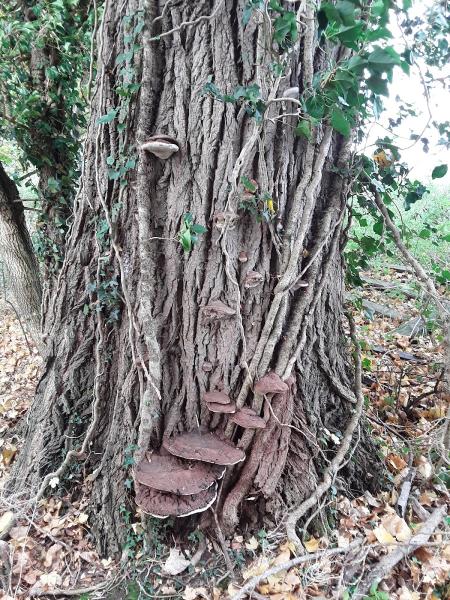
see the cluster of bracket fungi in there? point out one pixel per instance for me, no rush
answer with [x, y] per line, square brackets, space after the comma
[181, 478]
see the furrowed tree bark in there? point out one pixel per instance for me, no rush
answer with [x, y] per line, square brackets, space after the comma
[132, 348]
[20, 280]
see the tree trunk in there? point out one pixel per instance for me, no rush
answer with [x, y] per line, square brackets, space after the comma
[135, 343]
[20, 281]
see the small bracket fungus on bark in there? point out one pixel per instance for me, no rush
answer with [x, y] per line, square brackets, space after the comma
[243, 258]
[162, 146]
[271, 383]
[225, 219]
[217, 310]
[221, 408]
[161, 505]
[177, 476]
[253, 279]
[248, 419]
[217, 397]
[205, 447]
[292, 92]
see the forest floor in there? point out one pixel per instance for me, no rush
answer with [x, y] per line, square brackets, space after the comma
[47, 551]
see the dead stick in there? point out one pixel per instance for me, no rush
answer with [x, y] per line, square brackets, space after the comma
[70, 592]
[405, 491]
[384, 566]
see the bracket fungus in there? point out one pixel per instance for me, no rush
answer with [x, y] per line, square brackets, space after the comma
[221, 408]
[177, 476]
[161, 505]
[205, 447]
[253, 279]
[271, 383]
[217, 398]
[162, 146]
[226, 219]
[248, 419]
[217, 310]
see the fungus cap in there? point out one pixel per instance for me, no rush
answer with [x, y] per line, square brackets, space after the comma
[205, 447]
[218, 310]
[161, 146]
[253, 279]
[271, 383]
[248, 420]
[215, 407]
[176, 476]
[217, 397]
[162, 505]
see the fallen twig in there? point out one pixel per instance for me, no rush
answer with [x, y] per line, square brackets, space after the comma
[384, 566]
[70, 592]
[405, 491]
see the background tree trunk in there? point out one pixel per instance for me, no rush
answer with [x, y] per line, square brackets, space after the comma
[133, 348]
[20, 279]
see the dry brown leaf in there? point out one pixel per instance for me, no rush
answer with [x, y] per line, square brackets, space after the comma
[397, 527]
[312, 545]
[383, 536]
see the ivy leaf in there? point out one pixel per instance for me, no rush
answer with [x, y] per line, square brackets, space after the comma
[425, 234]
[379, 227]
[303, 129]
[383, 59]
[110, 116]
[186, 240]
[340, 122]
[196, 228]
[439, 171]
[378, 85]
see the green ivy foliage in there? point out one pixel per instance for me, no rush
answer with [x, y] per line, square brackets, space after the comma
[44, 61]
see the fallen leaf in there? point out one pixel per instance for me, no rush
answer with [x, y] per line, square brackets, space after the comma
[175, 563]
[194, 593]
[383, 536]
[397, 527]
[252, 543]
[312, 545]
[397, 463]
[82, 518]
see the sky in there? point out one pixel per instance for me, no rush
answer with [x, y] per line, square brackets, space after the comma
[410, 89]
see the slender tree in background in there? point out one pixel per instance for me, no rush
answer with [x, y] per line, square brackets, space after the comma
[19, 268]
[214, 261]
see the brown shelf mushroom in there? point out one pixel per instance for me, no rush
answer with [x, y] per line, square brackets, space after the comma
[162, 146]
[217, 397]
[253, 279]
[226, 219]
[171, 474]
[217, 310]
[162, 505]
[215, 407]
[205, 447]
[248, 419]
[271, 384]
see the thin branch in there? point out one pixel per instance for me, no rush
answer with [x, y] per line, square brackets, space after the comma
[409, 258]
